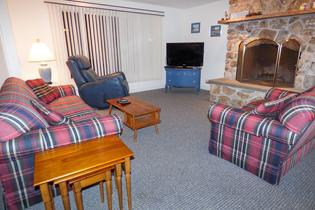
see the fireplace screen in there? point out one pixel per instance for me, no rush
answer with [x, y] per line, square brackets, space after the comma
[265, 62]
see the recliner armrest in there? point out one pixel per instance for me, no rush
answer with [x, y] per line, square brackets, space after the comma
[96, 93]
[253, 124]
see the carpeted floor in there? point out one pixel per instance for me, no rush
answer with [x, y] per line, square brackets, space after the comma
[174, 170]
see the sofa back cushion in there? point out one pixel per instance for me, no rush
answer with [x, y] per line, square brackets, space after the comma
[17, 115]
[52, 117]
[16, 119]
[43, 91]
[300, 112]
[73, 107]
[272, 108]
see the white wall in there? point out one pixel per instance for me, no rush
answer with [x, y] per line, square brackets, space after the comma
[31, 21]
[3, 67]
[8, 55]
[215, 47]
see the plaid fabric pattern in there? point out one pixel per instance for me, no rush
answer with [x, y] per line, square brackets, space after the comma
[53, 118]
[73, 108]
[238, 119]
[66, 90]
[16, 119]
[254, 143]
[272, 108]
[276, 93]
[17, 116]
[18, 86]
[296, 157]
[298, 115]
[17, 155]
[43, 91]
[252, 105]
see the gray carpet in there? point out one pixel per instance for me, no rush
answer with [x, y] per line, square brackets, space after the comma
[174, 170]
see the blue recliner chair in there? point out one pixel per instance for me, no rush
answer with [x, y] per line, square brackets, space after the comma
[95, 90]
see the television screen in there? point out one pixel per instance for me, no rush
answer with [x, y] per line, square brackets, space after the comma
[184, 54]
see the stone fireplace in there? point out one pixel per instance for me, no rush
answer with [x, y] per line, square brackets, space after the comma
[266, 62]
[280, 49]
[279, 30]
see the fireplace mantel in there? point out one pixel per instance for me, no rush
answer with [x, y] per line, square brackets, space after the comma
[268, 16]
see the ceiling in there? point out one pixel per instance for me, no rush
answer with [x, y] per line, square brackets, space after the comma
[183, 4]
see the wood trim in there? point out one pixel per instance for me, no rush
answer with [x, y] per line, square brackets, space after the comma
[273, 15]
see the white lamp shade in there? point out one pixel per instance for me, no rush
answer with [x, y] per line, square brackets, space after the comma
[40, 53]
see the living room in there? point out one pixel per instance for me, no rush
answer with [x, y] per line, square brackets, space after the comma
[172, 167]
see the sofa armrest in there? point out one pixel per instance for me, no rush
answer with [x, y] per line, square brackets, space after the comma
[253, 124]
[276, 93]
[55, 136]
[66, 90]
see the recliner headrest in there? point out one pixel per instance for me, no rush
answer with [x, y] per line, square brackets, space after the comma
[82, 61]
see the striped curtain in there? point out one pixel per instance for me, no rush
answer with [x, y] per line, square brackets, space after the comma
[102, 32]
[112, 40]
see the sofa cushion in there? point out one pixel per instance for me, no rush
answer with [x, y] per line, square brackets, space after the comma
[300, 112]
[73, 107]
[52, 117]
[272, 108]
[17, 119]
[16, 86]
[43, 91]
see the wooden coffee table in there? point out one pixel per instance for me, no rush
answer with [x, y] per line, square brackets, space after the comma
[82, 164]
[138, 114]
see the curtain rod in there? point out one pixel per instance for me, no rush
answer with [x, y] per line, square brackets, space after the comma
[103, 6]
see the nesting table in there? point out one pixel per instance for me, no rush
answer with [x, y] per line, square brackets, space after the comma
[83, 164]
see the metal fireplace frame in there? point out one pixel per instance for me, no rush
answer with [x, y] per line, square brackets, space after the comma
[245, 43]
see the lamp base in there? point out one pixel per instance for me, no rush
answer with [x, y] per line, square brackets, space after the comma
[45, 73]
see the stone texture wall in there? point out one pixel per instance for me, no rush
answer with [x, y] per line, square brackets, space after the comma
[301, 28]
[233, 96]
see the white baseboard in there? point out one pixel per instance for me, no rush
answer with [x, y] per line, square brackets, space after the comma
[145, 86]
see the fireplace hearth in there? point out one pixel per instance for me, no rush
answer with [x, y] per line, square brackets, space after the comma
[266, 62]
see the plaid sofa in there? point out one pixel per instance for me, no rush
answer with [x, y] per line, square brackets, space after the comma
[17, 154]
[265, 146]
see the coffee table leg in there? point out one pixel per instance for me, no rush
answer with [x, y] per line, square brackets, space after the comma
[108, 179]
[118, 184]
[135, 136]
[47, 196]
[64, 194]
[128, 181]
[157, 129]
[110, 108]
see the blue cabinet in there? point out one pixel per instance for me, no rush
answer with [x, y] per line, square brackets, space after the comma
[182, 78]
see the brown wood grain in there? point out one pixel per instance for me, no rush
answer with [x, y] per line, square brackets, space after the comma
[274, 15]
[71, 161]
[138, 114]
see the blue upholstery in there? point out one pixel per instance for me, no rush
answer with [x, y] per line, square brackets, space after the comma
[95, 90]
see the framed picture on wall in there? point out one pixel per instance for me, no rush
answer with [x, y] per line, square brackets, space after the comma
[195, 28]
[215, 31]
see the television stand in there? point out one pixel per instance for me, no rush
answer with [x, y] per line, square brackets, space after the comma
[179, 77]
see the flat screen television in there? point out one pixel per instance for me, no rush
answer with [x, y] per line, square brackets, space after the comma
[184, 54]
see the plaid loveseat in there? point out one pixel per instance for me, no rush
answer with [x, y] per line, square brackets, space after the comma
[17, 154]
[263, 145]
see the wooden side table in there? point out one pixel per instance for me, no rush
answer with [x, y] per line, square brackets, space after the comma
[138, 114]
[82, 164]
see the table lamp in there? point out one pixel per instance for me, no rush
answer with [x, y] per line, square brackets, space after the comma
[41, 53]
